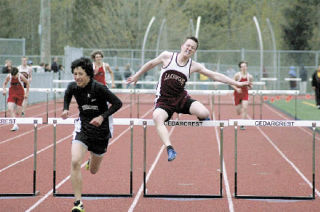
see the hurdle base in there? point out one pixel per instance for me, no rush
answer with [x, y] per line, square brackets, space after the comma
[275, 197]
[20, 194]
[191, 196]
[94, 195]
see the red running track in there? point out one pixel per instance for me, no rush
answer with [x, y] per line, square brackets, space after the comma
[271, 161]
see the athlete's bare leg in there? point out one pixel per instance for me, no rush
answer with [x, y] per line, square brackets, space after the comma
[244, 112]
[95, 161]
[78, 151]
[11, 109]
[199, 110]
[24, 106]
[159, 116]
[239, 109]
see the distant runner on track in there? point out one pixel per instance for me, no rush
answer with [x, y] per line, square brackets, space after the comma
[241, 95]
[16, 93]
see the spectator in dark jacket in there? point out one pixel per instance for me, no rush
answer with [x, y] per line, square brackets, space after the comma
[54, 65]
[316, 86]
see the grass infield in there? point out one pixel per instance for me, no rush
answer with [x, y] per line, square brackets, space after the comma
[305, 108]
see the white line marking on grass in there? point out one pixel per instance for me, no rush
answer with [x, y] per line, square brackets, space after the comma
[284, 117]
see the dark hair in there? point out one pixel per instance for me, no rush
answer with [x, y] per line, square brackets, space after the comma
[14, 71]
[94, 53]
[242, 62]
[194, 39]
[85, 64]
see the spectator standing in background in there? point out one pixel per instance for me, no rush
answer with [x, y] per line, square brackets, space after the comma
[7, 67]
[54, 65]
[303, 84]
[316, 86]
[47, 68]
[292, 74]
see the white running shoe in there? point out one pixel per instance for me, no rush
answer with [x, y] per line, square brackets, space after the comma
[14, 128]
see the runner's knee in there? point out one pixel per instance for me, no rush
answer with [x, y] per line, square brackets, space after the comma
[75, 164]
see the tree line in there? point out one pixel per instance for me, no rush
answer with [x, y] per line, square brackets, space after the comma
[225, 24]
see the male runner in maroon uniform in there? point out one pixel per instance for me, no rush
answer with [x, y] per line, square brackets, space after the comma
[171, 94]
[16, 93]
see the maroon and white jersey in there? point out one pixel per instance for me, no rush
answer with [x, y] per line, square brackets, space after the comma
[173, 78]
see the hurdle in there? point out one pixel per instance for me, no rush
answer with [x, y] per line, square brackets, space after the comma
[295, 93]
[273, 123]
[150, 122]
[35, 122]
[43, 90]
[119, 121]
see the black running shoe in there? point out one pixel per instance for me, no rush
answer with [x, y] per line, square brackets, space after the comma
[78, 206]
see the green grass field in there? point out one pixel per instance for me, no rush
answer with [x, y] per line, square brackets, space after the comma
[304, 108]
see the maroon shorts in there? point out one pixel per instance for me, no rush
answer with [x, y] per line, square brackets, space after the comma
[17, 99]
[174, 104]
[238, 97]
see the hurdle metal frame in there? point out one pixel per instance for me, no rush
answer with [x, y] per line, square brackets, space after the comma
[55, 121]
[236, 123]
[221, 124]
[35, 122]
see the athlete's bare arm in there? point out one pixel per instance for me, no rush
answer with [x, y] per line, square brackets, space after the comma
[4, 91]
[25, 80]
[164, 59]
[197, 67]
[236, 77]
[108, 68]
[30, 74]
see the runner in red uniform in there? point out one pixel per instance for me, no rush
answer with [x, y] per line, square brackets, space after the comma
[16, 93]
[100, 68]
[241, 95]
[171, 94]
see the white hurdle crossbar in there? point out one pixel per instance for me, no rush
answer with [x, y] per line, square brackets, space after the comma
[35, 122]
[273, 123]
[184, 123]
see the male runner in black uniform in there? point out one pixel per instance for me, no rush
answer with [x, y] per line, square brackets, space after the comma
[92, 128]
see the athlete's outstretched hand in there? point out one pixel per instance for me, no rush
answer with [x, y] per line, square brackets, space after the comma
[97, 121]
[243, 84]
[132, 79]
[65, 114]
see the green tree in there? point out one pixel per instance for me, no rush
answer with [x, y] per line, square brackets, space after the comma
[299, 27]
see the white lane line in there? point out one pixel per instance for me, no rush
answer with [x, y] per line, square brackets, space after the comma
[23, 134]
[288, 161]
[30, 156]
[225, 175]
[67, 178]
[282, 154]
[137, 197]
